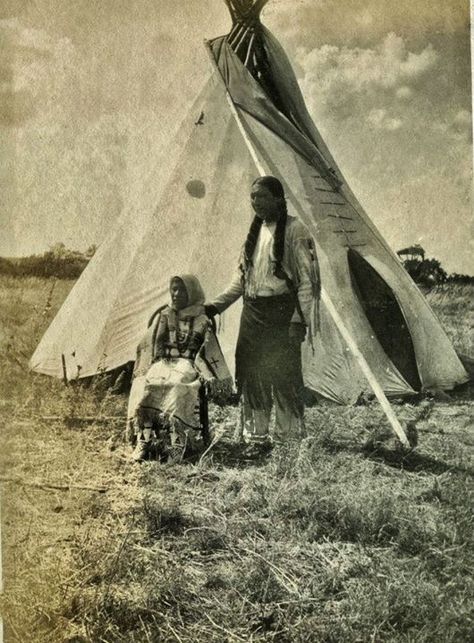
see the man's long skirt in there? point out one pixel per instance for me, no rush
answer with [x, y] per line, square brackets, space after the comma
[268, 369]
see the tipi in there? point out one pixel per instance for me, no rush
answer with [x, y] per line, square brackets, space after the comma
[250, 117]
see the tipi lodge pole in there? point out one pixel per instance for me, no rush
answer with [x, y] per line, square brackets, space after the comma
[365, 368]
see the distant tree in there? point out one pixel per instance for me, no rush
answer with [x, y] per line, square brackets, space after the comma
[426, 272]
[431, 273]
[412, 252]
[58, 249]
[91, 250]
[7, 267]
[460, 279]
[59, 262]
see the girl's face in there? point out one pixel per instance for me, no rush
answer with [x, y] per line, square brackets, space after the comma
[179, 296]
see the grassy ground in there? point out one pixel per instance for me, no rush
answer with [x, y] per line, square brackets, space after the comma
[453, 303]
[338, 539]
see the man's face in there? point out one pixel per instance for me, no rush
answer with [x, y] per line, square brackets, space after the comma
[179, 295]
[265, 205]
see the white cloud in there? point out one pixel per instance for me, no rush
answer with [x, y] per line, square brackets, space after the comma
[379, 119]
[456, 125]
[363, 22]
[404, 92]
[392, 124]
[34, 57]
[439, 126]
[334, 72]
[376, 116]
[21, 36]
[403, 144]
[463, 117]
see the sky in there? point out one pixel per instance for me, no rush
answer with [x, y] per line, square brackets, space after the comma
[92, 93]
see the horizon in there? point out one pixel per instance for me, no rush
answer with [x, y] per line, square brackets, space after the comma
[84, 253]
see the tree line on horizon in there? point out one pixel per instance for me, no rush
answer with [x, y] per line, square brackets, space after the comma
[60, 262]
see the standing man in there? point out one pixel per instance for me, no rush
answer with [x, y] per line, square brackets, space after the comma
[278, 278]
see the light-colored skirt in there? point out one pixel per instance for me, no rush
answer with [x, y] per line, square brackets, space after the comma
[170, 388]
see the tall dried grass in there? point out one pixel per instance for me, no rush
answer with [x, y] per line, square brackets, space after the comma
[339, 538]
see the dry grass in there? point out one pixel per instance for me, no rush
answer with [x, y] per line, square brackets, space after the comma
[454, 305]
[341, 538]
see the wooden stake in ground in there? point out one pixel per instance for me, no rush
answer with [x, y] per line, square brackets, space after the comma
[350, 341]
[63, 362]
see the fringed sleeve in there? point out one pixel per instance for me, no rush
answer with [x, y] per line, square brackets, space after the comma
[304, 269]
[315, 286]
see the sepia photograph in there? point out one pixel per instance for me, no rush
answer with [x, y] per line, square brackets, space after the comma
[236, 321]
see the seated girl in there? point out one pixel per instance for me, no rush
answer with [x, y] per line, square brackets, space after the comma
[172, 360]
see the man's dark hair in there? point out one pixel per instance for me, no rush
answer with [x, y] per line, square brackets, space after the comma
[273, 184]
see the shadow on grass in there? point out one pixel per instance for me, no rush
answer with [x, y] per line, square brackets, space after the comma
[413, 461]
[235, 456]
[464, 392]
[397, 458]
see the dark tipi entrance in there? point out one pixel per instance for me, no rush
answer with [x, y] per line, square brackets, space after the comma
[385, 317]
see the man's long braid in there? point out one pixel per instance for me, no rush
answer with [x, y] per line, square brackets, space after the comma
[279, 242]
[251, 241]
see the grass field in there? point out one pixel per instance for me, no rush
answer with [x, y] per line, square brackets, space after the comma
[341, 538]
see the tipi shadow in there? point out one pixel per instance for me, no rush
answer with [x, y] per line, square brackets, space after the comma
[413, 461]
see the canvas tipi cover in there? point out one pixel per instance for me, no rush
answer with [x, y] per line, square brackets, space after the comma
[250, 118]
